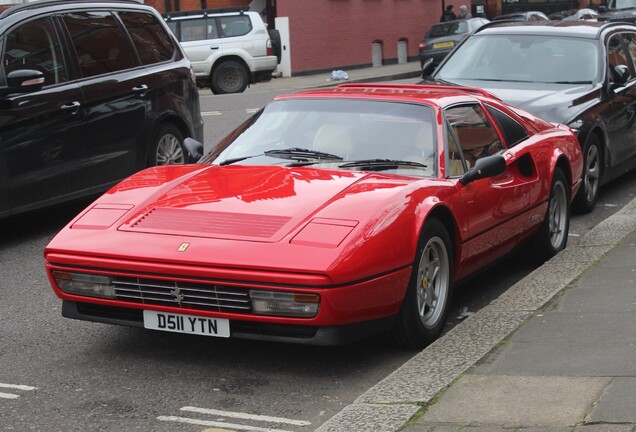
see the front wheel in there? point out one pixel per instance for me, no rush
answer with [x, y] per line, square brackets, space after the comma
[229, 77]
[553, 236]
[585, 199]
[427, 299]
[167, 147]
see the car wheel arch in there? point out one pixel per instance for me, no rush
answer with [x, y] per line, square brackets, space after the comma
[446, 217]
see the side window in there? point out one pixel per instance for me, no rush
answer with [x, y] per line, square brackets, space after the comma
[35, 45]
[153, 43]
[513, 132]
[477, 138]
[615, 53]
[235, 25]
[212, 28]
[454, 157]
[193, 30]
[100, 44]
[630, 42]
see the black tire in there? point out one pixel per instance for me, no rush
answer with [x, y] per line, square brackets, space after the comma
[229, 77]
[586, 197]
[277, 46]
[167, 146]
[427, 300]
[553, 236]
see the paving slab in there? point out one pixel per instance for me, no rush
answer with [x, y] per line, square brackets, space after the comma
[515, 401]
[618, 403]
[581, 358]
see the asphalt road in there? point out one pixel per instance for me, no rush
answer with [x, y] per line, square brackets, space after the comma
[63, 375]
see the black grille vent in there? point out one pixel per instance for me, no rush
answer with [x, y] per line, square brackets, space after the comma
[189, 295]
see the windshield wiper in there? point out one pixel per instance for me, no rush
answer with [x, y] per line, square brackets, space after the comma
[381, 164]
[573, 82]
[301, 154]
[293, 153]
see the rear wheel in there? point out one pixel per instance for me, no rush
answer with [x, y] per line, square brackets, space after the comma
[427, 299]
[553, 236]
[229, 77]
[167, 147]
[587, 195]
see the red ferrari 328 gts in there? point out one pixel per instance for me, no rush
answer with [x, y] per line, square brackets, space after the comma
[328, 216]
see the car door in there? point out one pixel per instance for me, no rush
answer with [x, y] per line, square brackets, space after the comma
[201, 40]
[620, 109]
[115, 88]
[41, 148]
[493, 206]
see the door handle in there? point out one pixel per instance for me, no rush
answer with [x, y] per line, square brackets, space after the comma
[73, 107]
[214, 47]
[141, 90]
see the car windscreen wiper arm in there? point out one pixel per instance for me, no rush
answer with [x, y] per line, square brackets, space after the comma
[381, 164]
[296, 153]
[293, 153]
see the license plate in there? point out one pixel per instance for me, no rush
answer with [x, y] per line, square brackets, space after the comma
[190, 324]
[443, 44]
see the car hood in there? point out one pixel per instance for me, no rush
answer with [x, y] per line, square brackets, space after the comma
[552, 102]
[266, 217]
[258, 203]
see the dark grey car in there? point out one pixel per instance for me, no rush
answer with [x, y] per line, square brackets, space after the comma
[579, 73]
[441, 38]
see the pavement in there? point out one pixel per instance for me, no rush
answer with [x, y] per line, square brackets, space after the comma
[556, 352]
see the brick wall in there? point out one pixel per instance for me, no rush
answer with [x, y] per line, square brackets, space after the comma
[329, 34]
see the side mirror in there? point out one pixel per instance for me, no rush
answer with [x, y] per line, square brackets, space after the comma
[485, 167]
[23, 81]
[194, 149]
[621, 74]
[427, 68]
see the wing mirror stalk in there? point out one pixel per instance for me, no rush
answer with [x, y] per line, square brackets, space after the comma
[485, 167]
[194, 149]
[427, 68]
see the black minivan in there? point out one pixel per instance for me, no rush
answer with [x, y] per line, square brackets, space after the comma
[90, 92]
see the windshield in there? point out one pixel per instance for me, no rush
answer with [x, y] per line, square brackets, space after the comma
[523, 58]
[332, 132]
[622, 4]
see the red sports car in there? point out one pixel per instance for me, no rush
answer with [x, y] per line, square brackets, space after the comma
[328, 216]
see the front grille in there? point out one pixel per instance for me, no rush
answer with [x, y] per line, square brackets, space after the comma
[182, 294]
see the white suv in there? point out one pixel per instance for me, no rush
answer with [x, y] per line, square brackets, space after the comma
[228, 50]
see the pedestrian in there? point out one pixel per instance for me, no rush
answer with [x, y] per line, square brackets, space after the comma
[448, 14]
[463, 13]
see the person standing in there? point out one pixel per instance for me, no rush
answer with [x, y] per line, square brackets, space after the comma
[448, 14]
[463, 13]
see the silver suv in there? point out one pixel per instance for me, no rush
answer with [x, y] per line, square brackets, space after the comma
[228, 50]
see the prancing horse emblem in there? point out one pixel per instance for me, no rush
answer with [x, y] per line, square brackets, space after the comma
[177, 294]
[183, 247]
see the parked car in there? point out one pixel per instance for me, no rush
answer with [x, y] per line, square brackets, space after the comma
[582, 14]
[90, 92]
[579, 73]
[229, 48]
[618, 10]
[523, 16]
[441, 38]
[329, 216]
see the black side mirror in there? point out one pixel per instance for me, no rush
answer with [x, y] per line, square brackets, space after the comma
[427, 68]
[621, 74]
[485, 167]
[23, 81]
[194, 149]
